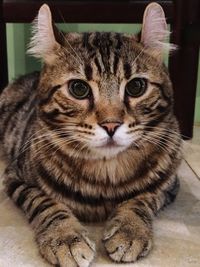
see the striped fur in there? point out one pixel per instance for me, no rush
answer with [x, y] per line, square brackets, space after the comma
[57, 175]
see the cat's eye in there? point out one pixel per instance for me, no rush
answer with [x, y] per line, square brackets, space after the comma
[79, 89]
[136, 87]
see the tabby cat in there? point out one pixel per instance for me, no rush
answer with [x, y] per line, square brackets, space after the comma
[92, 137]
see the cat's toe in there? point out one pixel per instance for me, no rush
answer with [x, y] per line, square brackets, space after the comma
[138, 249]
[126, 242]
[82, 251]
[69, 250]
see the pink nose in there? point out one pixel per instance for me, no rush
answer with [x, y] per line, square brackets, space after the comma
[110, 127]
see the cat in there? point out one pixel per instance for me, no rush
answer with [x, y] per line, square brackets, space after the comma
[92, 137]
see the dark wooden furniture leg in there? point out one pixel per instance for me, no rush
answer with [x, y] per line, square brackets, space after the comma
[3, 53]
[183, 65]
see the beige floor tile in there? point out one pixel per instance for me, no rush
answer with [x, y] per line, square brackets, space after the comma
[192, 151]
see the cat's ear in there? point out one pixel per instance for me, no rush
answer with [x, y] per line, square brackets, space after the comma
[154, 30]
[43, 42]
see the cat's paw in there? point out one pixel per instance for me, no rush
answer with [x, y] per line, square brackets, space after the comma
[66, 246]
[127, 240]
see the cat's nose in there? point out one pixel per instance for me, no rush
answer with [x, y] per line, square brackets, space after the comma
[110, 127]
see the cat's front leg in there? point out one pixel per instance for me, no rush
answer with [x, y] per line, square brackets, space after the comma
[62, 240]
[128, 235]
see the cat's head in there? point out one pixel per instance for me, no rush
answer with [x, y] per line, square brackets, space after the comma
[98, 92]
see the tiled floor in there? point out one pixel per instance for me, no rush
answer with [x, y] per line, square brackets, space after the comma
[192, 152]
[177, 228]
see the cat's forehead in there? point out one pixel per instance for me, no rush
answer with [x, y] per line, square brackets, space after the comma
[107, 52]
[109, 41]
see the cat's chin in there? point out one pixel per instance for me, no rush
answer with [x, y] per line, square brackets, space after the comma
[107, 151]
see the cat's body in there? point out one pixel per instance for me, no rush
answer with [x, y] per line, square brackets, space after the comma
[112, 153]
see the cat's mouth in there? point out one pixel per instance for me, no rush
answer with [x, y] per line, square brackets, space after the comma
[110, 143]
[108, 149]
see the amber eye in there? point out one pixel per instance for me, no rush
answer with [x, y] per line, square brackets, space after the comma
[136, 87]
[79, 89]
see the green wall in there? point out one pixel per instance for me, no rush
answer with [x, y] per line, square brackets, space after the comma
[19, 62]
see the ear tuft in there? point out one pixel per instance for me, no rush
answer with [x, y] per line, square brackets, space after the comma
[43, 40]
[154, 30]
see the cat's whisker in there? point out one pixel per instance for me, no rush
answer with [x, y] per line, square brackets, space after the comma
[163, 137]
[167, 130]
[67, 142]
[160, 130]
[23, 148]
[135, 144]
[137, 57]
[68, 43]
[36, 134]
[171, 145]
[40, 138]
[75, 55]
[21, 151]
[31, 138]
[54, 135]
[171, 136]
[76, 60]
[154, 142]
[47, 147]
[74, 139]
[59, 133]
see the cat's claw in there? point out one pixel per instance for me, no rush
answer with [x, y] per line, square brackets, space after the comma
[70, 249]
[126, 242]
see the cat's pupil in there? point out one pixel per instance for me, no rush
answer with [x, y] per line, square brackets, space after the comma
[79, 89]
[136, 87]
